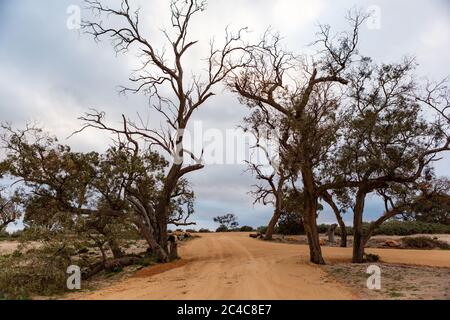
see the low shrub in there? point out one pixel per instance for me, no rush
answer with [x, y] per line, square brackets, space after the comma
[399, 228]
[369, 257]
[323, 228]
[262, 229]
[148, 260]
[222, 229]
[204, 230]
[4, 235]
[424, 243]
[246, 229]
[290, 224]
[405, 228]
[191, 231]
[38, 272]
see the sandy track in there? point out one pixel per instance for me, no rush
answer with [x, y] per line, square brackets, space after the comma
[234, 266]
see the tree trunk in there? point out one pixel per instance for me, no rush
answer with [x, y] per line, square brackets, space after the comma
[310, 214]
[358, 252]
[147, 231]
[329, 199]
[163, 206]
[162, 234]
[343, 235]
[312, 233]
[272, 224]
[358, 236]
[377, 223]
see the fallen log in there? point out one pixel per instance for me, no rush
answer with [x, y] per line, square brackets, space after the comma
[111, 264]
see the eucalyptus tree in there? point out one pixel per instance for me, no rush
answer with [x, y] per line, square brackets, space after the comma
[306, 90]
[391, 139]
[176, 94]
[58, 193]
[101, 197]
[432, 205]
[9, 209]
[227, 221]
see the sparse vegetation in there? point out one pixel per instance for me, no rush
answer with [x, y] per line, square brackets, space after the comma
[424, 243]
[222, 229]
[261, 229]
[38, 272]
[369, 257]
[246, 229]
[402, 228]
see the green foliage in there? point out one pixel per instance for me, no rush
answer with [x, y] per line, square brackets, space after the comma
[222, 228]
[322, 228]
[102, 198]
[246, 229]
[228, 221]
[424, 243]
[290, 224]
[9, 209]
[204, 230]
[369, 257]
[38, 272]
[433, 206]
[404, 228]
[262, 229]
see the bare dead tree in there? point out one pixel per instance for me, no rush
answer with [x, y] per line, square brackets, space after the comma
[329, 199]
[164, 79]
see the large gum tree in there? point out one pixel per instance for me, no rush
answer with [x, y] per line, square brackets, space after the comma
[306, 91]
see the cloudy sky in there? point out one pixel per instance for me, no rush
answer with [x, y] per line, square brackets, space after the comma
[52, 74]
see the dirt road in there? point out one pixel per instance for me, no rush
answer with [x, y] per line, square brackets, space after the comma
[234, 266]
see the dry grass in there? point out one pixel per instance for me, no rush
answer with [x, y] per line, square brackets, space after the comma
[403, 282]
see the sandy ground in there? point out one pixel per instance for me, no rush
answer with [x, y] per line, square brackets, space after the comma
[234, 266]
[8, 247]
[398, 281]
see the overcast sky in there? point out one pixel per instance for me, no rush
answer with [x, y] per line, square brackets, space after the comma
[52, 74]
